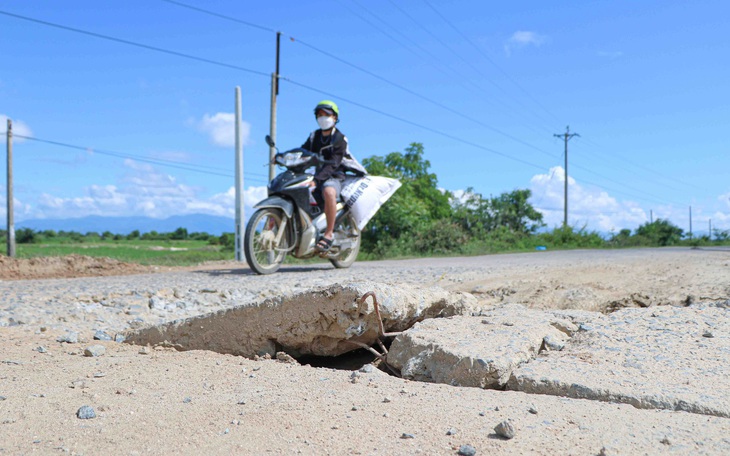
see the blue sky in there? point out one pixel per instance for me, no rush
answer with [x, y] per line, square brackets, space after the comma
[484, 86]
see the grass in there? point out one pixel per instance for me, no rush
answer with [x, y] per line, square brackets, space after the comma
[161, 253]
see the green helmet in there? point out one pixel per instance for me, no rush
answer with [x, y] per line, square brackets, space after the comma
[329, 106]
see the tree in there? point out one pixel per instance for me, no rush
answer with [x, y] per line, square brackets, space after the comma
[510, 211]
[180, 234]
[413, 207]
[661, 232]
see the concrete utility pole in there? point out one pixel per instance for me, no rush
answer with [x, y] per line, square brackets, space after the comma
[240, 216]
[272, 123]
[690, 223]
[566, 137]
[11, 222]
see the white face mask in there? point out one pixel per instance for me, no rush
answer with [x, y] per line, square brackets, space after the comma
[325, 123]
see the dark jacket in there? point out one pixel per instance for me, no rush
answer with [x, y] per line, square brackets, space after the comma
[333, 148]
[336, 149]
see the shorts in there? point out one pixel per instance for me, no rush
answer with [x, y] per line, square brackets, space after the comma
[334, 183]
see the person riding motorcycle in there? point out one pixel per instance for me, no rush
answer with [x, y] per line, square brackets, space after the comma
[329, 176]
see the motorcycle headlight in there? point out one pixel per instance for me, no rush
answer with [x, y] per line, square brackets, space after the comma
[290, 159]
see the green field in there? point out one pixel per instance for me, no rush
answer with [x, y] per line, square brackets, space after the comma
[159, 252]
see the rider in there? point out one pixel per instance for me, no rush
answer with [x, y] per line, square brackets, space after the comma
[328, 178]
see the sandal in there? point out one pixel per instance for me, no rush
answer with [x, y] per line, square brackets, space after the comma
[323, 244]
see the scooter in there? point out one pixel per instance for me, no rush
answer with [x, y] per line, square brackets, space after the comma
[290, 222]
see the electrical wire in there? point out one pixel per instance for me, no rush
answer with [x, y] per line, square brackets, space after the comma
[201, 169]
[459, 56]
[133, 43]
[179, 54]
[488, 59]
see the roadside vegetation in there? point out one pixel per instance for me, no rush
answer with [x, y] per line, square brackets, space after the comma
[419, 220]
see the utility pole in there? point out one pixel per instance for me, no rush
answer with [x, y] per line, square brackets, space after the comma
[272, 121]
[11, 222]
[240, 215]
[690, 223]
[566, 137]
[651, 216]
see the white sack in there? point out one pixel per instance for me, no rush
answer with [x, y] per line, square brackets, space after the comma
[365, 195]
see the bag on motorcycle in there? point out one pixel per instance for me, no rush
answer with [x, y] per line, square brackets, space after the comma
[365, 195]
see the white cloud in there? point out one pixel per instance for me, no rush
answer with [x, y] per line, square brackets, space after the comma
[20, 128]
[221, 129]
[143, 191]
[521, 39]
[590, 207]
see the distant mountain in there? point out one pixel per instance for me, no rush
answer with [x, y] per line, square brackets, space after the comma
[210, 224]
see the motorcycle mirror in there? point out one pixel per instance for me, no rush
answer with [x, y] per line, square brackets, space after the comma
[270, 141]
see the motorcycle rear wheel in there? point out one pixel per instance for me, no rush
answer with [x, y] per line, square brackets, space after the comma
[261, 231]
[347, 228]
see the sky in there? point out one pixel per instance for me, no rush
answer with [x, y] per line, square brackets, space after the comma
[127, 108]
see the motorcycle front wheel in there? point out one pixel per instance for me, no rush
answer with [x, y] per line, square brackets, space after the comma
[258, 244]
[347, 228]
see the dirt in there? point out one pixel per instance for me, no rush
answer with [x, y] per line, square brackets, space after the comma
[66, 267]
[158, 401]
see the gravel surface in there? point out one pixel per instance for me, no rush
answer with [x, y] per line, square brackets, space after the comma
[159, 401]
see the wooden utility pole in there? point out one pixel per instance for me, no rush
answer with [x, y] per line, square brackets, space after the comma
[11, 222]
[566, 137]
[272, 121]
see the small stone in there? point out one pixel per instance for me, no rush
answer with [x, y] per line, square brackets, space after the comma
[405, 435]
[386, 400]
[505, 429]
[467, 450]
[496, 408]
[665, 441]
[354, 408]
[101, 335]
[367, 369]
[451, 431]
[283, 357]
[708, 334]
[144, 351]
[94, 350]
[85, 413]
[187, 400]
[482, 414]
[532, 410]
[99, 374]
[41, 349]
[241, 402]
[70, 337]
[119, 338]
[226, 431]
[508, 323]
[2, 398]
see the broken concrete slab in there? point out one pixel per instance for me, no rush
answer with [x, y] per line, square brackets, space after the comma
[477, 351]
[321, 322]
[674, 358]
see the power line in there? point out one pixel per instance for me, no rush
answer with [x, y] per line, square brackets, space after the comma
[370, 73]
[425, 98]
[132, 43]
[222, 16]
[204, 60]
[156, 161]
[456, 53]
[488, 59]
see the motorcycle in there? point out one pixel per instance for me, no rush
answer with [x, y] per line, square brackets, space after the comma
[290, 222]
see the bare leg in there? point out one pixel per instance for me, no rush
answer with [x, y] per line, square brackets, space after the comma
[330, 210]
